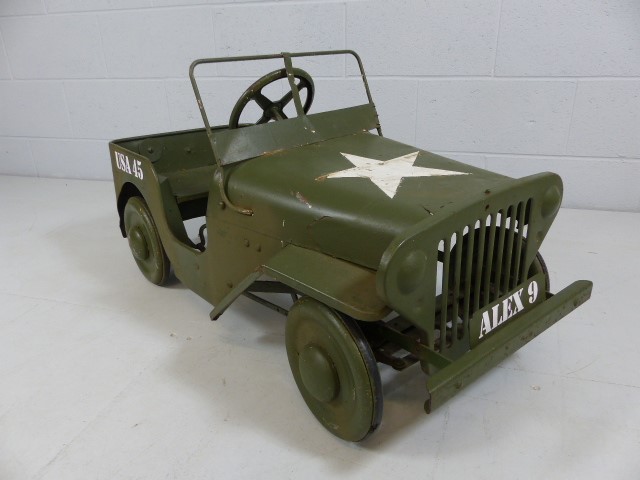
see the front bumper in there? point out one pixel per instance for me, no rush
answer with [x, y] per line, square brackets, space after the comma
[445, 383]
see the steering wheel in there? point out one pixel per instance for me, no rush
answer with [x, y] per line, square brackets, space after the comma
[272, 110]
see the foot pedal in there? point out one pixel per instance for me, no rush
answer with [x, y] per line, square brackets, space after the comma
[201, 244]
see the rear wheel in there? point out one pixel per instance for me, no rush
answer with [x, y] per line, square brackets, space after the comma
[335, 369]
[144, 241]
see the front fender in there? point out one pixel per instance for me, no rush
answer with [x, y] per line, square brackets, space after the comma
[343, 286]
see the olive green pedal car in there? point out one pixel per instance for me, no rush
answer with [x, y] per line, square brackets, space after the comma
[389, 254]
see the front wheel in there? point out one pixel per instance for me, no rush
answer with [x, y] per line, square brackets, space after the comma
[539, 266]
[335, 369]
[144, 241]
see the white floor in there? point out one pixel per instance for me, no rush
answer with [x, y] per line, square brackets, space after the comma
[103, 375]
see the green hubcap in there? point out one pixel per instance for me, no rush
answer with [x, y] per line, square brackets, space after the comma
[138, 244]
[318, 373]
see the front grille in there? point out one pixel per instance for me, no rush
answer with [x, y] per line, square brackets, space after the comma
[478, 264]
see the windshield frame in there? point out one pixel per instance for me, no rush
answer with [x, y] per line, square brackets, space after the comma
[229, 145]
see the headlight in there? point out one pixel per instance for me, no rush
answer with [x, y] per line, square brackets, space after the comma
[412, 271]
[551, 201]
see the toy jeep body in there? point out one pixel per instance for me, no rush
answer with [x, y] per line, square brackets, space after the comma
[390, 254]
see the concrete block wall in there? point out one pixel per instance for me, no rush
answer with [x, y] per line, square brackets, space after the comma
[516, 86]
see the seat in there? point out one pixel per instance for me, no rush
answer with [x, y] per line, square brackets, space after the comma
[191, 184]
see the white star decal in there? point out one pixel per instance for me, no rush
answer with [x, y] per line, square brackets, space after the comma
[387, 174]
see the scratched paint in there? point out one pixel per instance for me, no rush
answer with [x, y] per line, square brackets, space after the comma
[302, 198]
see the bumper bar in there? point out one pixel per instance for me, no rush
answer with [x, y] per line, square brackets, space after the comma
[445, 383]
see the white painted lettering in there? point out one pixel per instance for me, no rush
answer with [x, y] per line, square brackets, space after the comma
[506, 309]
[123, 163]
[533, 291]
[507, 313]
[517, 298]
[486, 324]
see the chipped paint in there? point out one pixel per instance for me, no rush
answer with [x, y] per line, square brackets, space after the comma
[302, 199]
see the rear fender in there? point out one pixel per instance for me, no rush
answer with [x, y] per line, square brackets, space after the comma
[134, 175]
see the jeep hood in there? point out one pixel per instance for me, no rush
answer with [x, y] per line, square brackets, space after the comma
[314, 196]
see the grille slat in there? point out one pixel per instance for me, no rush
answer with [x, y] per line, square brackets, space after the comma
[497, 279]
[513, 259]
[486, 279]
[505, 285]
[457, 265]
[521, 259]
[477, 277]
[445, 292]
[467, 280]
[520, 238]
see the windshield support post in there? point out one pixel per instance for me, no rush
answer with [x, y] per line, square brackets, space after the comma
[292, 83]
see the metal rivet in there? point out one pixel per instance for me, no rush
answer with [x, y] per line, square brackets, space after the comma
[258, 248]
[246, 242]
[222, 205]
[229, 284]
